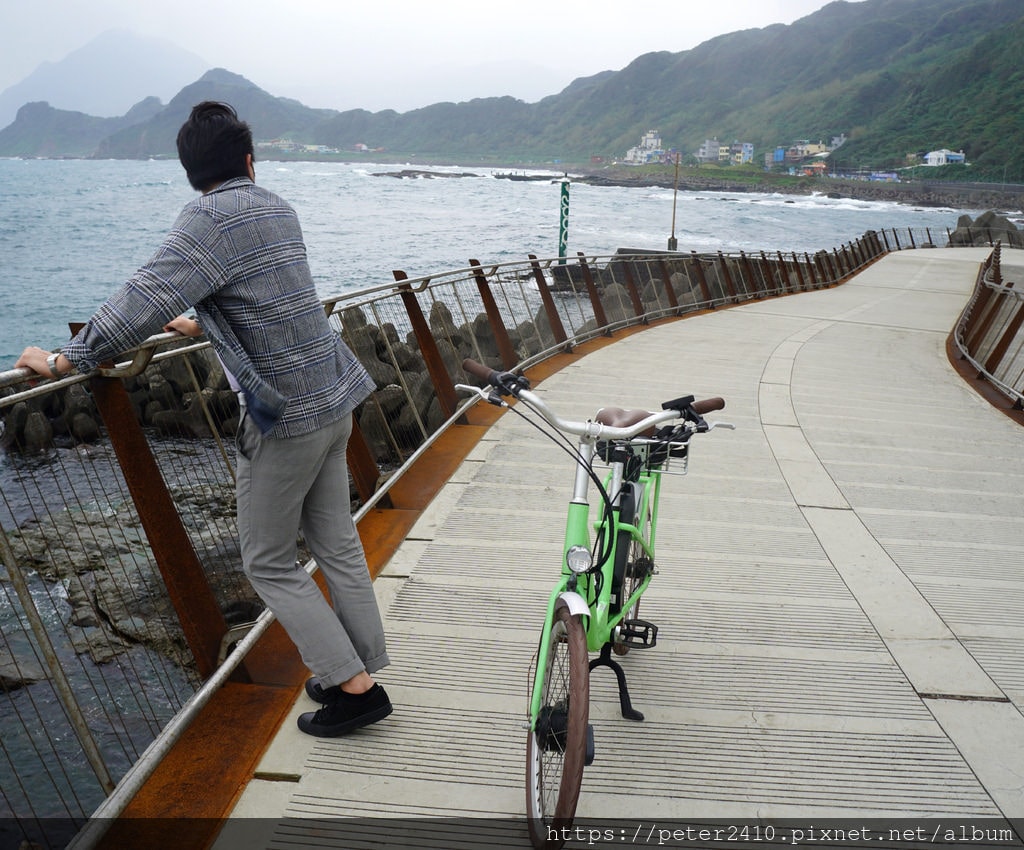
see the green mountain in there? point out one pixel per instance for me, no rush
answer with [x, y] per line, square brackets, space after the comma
[898, 77]
[41, 130]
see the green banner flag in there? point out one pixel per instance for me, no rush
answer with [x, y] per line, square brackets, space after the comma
[563, 222]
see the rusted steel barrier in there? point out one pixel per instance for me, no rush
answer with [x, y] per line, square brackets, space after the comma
[122, 592]
[990, 332]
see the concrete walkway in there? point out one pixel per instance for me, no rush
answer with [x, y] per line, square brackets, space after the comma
[840, 598]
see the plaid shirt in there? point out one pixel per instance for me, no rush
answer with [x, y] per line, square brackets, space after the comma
[237, 255]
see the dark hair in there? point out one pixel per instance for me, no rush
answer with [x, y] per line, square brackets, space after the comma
[212, 145]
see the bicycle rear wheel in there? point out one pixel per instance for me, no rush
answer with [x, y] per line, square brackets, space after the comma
[556, 747]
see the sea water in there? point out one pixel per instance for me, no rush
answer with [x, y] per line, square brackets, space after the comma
[72, 230]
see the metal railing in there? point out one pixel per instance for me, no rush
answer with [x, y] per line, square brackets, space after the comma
[990, 332]
[123, 603]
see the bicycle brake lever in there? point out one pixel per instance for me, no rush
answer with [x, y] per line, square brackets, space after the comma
[718, 424]
[491, 397]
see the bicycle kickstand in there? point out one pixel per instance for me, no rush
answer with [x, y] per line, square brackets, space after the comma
[606, 660]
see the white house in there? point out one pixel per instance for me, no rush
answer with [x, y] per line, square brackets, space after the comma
[944, 157]
[649, 149]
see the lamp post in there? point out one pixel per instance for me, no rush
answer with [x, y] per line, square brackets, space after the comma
[673, 245]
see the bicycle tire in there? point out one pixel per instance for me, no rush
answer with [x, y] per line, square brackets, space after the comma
[556, 748]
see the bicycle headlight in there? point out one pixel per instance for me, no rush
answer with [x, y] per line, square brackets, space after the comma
[578, 559]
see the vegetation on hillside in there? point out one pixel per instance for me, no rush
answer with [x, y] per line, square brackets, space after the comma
[898, 77]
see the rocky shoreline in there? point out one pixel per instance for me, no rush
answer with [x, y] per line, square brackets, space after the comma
[1005, 198]
[976, 196]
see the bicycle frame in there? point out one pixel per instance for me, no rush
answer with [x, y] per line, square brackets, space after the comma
[590, 593]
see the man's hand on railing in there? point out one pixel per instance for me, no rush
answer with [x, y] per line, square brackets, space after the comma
[49, 364]
[185, 326]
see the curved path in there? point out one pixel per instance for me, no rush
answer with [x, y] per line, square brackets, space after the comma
[840, 598]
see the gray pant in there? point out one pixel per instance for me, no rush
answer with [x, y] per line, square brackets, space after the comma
[302, 482]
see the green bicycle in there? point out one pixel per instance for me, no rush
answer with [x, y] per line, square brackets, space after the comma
[608, 564]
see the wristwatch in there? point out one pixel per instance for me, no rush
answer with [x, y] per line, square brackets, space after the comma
[51, 361]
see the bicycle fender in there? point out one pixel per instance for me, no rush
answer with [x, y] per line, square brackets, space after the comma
[575, 603]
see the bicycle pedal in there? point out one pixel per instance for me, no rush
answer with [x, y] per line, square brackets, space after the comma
[638, 634]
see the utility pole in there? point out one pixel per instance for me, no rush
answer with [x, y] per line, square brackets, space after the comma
[673, 244]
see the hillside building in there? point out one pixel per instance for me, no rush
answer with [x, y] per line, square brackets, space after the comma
[649, 150]
[738, 153]
[709, 151]
[944, 157]
[800, 151]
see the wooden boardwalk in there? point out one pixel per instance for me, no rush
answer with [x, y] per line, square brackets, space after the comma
[840, 598]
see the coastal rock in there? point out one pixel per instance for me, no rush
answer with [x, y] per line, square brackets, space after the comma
[84, 428]
[407, 356]
[483, 333]
[987, 229]
[422, 174]
[37, 434]
[99, 643]
[527, 340]
[543, 328]
[617, 303]
[374, 427]
[17, 672]
[420, 390]
[77, 401]
[14, 425]
[362, 341]
[115, 592]
[452, 358]
[162, 394]
[353, 319]
[442, 326]
[435, 415]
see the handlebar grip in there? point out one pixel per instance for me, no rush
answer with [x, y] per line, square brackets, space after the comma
[484, 373]
[708, 405]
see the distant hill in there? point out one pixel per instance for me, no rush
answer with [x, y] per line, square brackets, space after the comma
[271, 117]
[42, 131]
[896, 76]
[106, 77]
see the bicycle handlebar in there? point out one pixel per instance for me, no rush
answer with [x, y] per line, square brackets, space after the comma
[610, 424]
[484, 373]
[708, 405]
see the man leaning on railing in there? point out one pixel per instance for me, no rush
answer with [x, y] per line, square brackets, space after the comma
[236, 254]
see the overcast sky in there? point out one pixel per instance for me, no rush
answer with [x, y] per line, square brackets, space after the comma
[389, 54]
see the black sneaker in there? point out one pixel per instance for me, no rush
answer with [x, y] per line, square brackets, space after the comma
[345, 712]
[318, 693]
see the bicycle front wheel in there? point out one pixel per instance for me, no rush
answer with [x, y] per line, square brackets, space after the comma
[556, 747]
